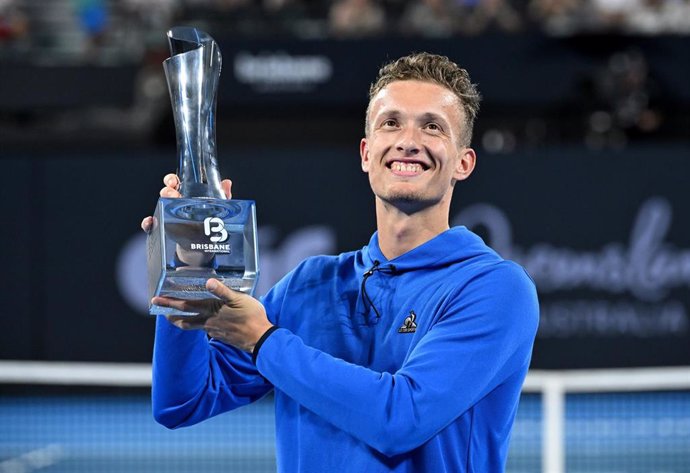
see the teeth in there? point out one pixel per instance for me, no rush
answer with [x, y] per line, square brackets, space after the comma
[406, 167]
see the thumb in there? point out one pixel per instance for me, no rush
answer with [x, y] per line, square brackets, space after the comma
[220, 290]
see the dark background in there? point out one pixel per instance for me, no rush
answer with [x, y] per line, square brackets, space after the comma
[72, 214]
[563, 177]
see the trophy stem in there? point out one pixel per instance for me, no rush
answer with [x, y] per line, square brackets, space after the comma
[192, 73]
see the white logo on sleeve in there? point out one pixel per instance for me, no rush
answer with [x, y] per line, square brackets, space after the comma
[214, 228]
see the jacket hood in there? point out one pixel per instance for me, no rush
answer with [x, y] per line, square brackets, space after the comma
[452, 246]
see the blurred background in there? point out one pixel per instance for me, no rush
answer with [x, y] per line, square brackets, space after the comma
[584, 147]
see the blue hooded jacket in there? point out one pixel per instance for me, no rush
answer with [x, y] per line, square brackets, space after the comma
[408, 365]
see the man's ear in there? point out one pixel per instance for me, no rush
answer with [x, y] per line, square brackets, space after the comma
[465, 163]
[364, 154]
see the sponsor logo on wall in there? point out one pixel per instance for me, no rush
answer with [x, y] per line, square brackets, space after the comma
[281, 71]
[623, 288]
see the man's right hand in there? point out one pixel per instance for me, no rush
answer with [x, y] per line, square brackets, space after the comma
[171, 191]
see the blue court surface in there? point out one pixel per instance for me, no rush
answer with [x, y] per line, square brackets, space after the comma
[606, 433]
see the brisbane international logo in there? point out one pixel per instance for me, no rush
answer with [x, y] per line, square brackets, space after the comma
[214, 229]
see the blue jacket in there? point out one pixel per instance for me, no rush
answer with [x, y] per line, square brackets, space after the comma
[408, 365]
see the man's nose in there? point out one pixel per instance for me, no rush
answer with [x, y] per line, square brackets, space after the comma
[408, 141]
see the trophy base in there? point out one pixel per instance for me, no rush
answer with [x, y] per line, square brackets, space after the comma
[194, 240]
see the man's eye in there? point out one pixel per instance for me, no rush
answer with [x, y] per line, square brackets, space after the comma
[389, 123]
[433, 127]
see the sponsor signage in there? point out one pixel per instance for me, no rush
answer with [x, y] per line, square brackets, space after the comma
[604, 236]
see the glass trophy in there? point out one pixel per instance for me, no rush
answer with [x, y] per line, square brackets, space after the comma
[202, 235]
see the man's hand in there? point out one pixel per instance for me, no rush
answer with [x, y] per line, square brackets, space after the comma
[236, 319]
[171, 190]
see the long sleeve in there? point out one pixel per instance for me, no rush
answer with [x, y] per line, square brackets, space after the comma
[483, 338]
[195, 378]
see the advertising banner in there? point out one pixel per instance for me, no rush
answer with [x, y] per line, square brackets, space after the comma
[604, 236]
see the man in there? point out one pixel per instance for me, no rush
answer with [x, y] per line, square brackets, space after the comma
[407, 355]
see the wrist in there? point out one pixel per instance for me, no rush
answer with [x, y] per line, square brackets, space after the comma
[257, 346]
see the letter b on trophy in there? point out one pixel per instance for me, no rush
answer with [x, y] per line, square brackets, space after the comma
[201, 235]
[218, 233]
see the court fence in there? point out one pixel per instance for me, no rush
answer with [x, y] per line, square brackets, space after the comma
[68, 417]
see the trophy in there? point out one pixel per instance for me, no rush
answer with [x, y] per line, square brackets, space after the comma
[201, 235]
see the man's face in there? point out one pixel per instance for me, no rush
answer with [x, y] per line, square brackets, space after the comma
[412, 152]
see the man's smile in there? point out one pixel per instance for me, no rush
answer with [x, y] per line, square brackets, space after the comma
[406, 167]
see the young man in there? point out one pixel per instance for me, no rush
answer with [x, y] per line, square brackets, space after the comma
[407, 355]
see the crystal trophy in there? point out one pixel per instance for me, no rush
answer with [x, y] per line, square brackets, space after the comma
[201, 235]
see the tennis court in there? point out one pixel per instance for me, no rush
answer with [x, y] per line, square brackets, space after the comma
[115, 433]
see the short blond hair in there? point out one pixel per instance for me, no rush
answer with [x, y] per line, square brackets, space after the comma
[439, 70]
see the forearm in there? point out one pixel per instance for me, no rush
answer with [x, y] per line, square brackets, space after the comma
[194, 379]
[373, 407]
[391, 412]
[180, 364]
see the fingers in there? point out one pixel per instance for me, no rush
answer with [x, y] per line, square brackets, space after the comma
[172, 186]
[171, 180]
[170, 193]
[226, 184]
[146, 224]
[184, 322]
[178, 304]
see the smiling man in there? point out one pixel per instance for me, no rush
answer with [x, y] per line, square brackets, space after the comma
[405, 356]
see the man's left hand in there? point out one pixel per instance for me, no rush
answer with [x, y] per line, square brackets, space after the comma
[235, 318]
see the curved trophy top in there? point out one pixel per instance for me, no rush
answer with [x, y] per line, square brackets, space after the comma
[183, 39]
[193, 72]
